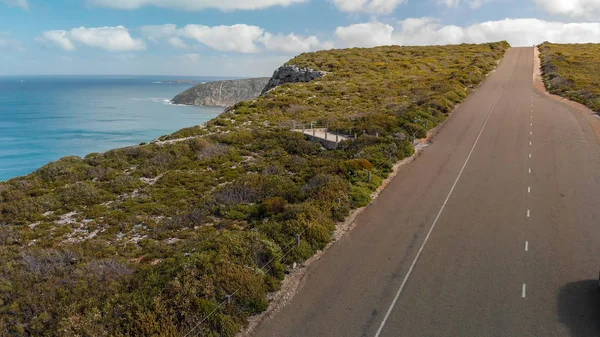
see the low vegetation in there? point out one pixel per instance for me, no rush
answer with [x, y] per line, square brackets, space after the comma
[151, 239]
[573, 71]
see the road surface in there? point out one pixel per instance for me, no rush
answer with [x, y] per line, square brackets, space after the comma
[509, 192]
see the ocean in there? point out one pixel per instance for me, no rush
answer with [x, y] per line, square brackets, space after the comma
[48, 117]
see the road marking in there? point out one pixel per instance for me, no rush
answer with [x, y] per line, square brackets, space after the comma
[530, 143]
[524, 291]
[528, 213]
[414, 263]
[529, 189]
[531, 124]
[530, 155]
[530, 170]
[530, 133]
[526, 246]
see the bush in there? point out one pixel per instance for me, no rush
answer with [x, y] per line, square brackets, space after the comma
[360, 196]
[572, 71]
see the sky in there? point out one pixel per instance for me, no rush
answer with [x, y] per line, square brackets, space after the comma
[249, 38]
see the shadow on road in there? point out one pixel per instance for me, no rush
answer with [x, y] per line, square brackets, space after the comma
[579, 308]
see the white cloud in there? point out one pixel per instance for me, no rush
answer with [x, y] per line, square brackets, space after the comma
[293, 43]
[17, 3]
[239, 38]
[368, 6]
[108, 38]
[166, 32]
[159, 32]
[427, 31]
[586, 9]
[59, 37]
[365, 35]
[191, 57]
[196, 5]
[177, 42]
[456, 3]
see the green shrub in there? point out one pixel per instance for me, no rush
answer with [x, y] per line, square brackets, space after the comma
[571, 71]
[360, 196]
[163, 232]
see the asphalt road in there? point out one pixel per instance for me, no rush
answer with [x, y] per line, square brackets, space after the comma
[509, 195]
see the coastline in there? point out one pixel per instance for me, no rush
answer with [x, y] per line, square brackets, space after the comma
[56, 117]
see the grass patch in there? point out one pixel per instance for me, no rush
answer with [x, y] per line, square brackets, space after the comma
[573, 71]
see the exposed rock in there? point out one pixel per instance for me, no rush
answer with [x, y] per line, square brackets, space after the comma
[292, 74]
[222, 93]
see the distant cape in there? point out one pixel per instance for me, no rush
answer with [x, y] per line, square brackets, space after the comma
[222, 93]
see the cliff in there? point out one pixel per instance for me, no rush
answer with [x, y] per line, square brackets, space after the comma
[222, 93]
[291, 74]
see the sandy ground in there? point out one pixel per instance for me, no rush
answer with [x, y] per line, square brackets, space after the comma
[539, 86]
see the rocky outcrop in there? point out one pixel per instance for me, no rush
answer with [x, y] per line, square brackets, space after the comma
[222, 93]
[292, 74]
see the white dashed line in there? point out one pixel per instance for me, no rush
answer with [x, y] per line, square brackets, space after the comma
[524, 292]
[530, 155]
[530, 133]
[531, 124]
[529, 189]
[529, 170]
[526, 246]
[528, 213]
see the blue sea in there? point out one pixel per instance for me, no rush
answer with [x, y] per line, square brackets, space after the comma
[45, 118]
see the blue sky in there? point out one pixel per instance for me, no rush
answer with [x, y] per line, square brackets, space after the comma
[252, 37]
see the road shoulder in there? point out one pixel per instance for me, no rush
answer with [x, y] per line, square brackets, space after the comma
[539, 87]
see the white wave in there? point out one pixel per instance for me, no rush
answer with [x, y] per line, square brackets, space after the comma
[152, 99]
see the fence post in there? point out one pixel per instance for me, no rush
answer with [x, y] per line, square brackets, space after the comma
[355, 135]
[337, 138]
[377, 134]
[228, 298]
[297, 239]
[302, 128]
[294, 125]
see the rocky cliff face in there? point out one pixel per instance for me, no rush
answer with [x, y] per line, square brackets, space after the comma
[292, 74]
[222, 93]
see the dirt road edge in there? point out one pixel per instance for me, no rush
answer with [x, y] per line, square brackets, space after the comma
[540, 87]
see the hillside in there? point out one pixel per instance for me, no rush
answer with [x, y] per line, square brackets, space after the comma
[573, 71]
[149, 240]
[222, 93]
